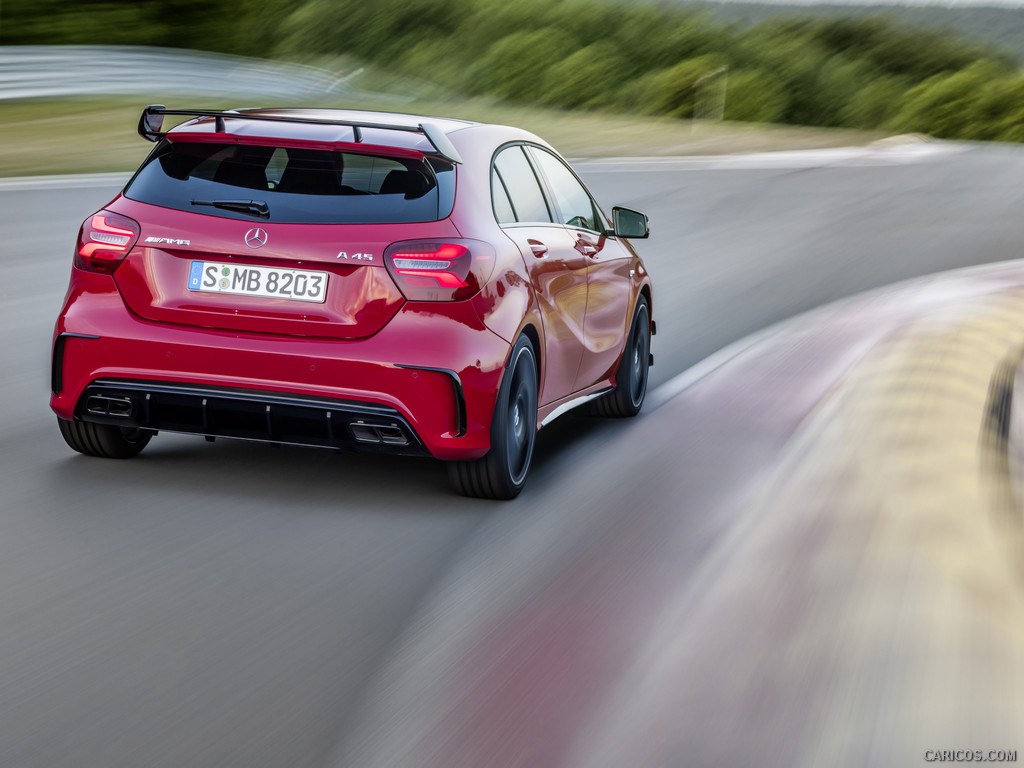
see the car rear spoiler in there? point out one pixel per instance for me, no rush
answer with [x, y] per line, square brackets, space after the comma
[152, 121]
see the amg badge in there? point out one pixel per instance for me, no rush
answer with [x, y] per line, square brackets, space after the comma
[168, 240]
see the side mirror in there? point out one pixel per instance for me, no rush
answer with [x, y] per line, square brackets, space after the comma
[629, 224]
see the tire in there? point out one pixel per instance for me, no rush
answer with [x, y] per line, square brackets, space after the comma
[103, 440]
[501, 474]
[631, 376]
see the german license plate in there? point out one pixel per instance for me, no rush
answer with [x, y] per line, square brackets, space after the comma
[249, 280]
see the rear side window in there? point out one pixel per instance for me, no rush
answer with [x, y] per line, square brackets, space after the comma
[503, 211]
[524, 192]
[298, 186]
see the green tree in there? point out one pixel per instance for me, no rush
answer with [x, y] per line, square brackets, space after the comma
[488, 22]
[588, 77]
[947, 106]
[783, 50]
[515, 65]
[48, 22]
[380, 31]
[837, 83]
[669, 91]
[1001, 109]
[754, 96]
[876, 103]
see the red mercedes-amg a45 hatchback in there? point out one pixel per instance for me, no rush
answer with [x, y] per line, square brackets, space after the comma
[351, 280]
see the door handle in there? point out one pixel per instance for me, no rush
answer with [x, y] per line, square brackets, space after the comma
[586, 248]
[538, 248]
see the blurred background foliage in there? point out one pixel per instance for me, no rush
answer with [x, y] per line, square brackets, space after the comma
[640, 58]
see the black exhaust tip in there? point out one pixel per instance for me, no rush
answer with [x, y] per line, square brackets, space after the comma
[378, 434]
[101, 405]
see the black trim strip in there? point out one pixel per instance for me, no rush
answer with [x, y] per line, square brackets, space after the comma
[57, 359]
[248, 395]
[461, 420]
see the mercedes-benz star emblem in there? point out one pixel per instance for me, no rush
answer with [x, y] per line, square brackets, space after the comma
[255, 238]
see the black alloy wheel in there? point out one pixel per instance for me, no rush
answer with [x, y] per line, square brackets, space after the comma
[501, 474]
[631, 375]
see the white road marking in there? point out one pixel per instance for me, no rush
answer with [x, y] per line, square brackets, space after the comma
[899, 154]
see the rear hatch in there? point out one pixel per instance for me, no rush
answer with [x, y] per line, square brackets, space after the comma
[276, 239]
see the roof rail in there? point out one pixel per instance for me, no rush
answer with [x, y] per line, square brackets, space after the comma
[152, 121]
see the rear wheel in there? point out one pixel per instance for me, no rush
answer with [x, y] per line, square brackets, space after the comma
[631, 376]
[501, 474]
[103, 440]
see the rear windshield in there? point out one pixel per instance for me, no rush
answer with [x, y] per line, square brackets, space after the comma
[297, 186]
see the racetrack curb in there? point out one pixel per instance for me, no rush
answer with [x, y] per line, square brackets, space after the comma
[928, 421]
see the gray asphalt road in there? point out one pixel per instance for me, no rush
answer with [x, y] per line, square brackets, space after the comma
[232, 605]
[738, 246]
[47, 71]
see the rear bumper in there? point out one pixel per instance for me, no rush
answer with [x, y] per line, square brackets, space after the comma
[248, 415]
[432, 374]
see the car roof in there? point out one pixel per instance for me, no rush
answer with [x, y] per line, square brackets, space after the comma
[327, 132]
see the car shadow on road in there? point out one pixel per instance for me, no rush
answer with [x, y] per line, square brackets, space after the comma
[185, 467]
[562, 442]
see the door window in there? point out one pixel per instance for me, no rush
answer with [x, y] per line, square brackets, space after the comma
[574, 203]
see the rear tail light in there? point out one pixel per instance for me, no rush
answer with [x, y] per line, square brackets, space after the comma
[104, 241]
[439, 270]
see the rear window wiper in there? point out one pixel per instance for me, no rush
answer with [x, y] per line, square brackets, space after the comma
[253, 207]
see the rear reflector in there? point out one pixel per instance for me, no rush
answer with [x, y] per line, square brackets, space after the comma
[104, 241]
[447, 270]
